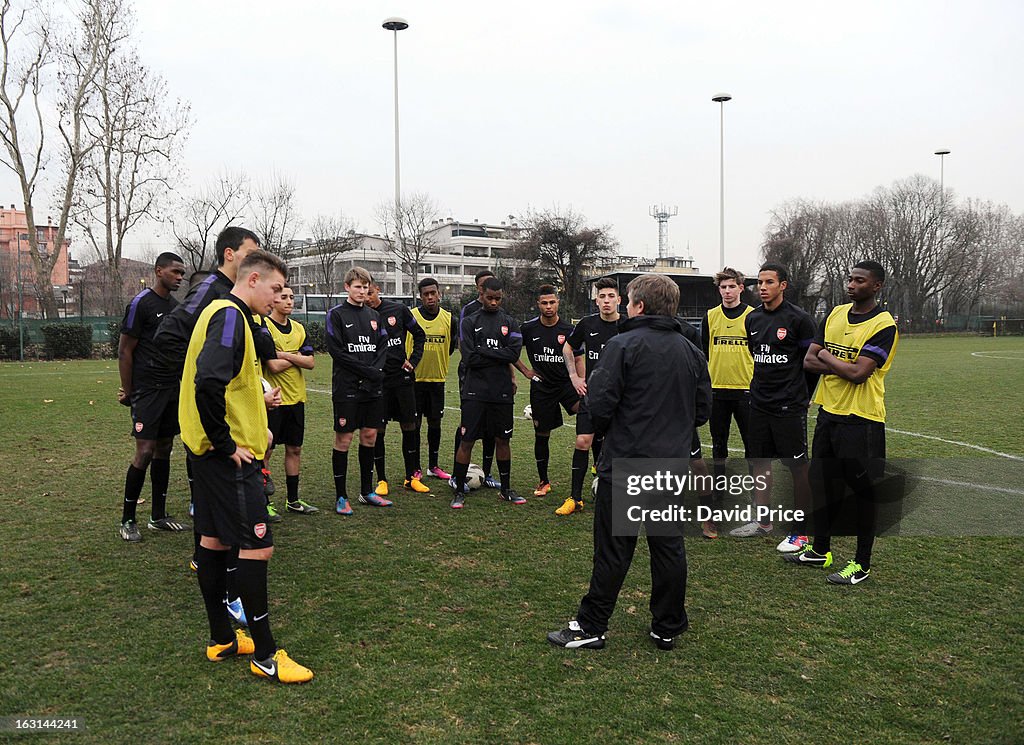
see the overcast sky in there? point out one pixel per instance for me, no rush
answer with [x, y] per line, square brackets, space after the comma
[601, 106]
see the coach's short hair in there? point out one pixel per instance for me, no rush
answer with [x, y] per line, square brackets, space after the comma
[166, 259]
[876, 269]
[427, 282]
[658, 293]
[779, 269]
[358, 273]
[546, 290]
[606, 283]
[232, 237]
[729, 273]
[262, 261]
[481, 274]
[493, 284]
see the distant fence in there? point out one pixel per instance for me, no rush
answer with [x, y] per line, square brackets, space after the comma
[987, 325]
[101, 325]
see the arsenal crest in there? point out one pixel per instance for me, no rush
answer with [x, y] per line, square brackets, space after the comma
[504, 330]
[781, 333]
[373, 325]
[138, 426]
[260, 529]
[391, 320]
[561, 338]
[341, 422]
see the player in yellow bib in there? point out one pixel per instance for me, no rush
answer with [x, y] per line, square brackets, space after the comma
[288, 421]
[853, 352]
[223, 418]
[723, 337]
[442, 331]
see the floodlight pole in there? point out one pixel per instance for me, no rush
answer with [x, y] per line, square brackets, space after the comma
[942, 171]
[394, 25]
[942, 204]
[720, 99]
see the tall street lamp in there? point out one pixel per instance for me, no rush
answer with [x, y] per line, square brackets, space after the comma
[394, 25]
[942, 170]
[942, 191]
[720, 99]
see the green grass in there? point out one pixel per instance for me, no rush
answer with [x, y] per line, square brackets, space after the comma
[425, 625]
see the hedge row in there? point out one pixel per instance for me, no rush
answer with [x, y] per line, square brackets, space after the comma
[67, 341]
[9, 343]
[74, 341]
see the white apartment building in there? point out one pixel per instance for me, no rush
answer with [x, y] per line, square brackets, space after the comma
[457, 251]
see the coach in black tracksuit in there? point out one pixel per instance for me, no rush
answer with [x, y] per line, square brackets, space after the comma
[648, 392]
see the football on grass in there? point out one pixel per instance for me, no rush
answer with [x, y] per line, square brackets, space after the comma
[474, 476]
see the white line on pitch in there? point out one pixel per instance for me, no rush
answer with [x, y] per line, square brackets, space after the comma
[956, 442]
[984, 487]
[993, 356]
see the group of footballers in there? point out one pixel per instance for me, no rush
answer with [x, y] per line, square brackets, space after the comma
[225, 368]
[760, 367]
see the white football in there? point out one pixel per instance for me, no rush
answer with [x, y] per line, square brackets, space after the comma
[474, 476]
[266, 385]
[528, 412]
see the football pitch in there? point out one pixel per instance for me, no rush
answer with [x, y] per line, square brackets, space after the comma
[427, 625]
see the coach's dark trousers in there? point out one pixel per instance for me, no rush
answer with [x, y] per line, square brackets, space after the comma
[612, 557]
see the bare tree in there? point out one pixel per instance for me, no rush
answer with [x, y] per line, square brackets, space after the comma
[943, 259]
[804, 237]
[8, 286]
[564, 246]
[274, 214]
[410, 230]
[923, 237]
[332, 236]
[204, 214]
[127, 176]
[1009, 289]
[981, 261]
[29, 46]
